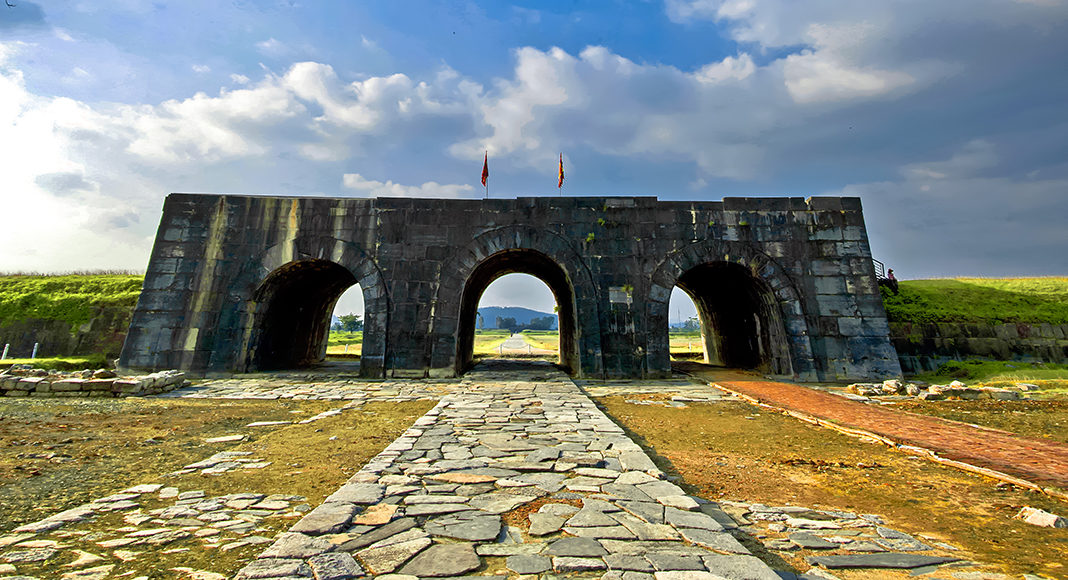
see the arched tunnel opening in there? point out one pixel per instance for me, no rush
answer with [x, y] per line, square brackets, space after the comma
[528, 262]
[740, 319]
[293, 309]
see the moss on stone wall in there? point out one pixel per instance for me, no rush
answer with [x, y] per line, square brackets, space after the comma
[66, 314]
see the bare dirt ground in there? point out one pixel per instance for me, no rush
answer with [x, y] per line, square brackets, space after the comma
[737, 451]
[58, 454]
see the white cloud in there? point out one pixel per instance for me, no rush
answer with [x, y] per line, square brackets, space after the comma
[963, 223]
[615, 106]
[272, 47]
[969, 161]
[239, 79]
[816, 77]
[204, 128]
[201, 68]
[369, 44]
[730, 68]
[77, 76]
[366, 187]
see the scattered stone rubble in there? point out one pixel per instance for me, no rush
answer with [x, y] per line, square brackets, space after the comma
[922, 391]
[25, 381]
[315, 387]
[154, 518]
[839, 540]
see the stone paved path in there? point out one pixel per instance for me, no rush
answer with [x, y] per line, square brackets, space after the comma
[1038, 461]
[531, 446]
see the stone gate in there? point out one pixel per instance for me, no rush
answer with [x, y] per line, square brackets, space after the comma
[242, 283]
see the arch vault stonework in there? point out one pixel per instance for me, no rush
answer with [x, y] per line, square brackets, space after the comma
[228, 270]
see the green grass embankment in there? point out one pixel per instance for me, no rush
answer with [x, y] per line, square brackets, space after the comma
[74, 299]
[979, 301]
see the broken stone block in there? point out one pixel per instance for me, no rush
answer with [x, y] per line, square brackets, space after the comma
[1037, 517]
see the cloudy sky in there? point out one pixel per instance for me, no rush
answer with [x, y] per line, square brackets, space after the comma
[948, 118]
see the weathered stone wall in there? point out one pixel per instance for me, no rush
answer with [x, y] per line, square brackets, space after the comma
[103, 333]
[923, 347]
[220, 263]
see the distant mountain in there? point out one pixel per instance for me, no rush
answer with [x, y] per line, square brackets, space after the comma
[520, 314]
[490, 314]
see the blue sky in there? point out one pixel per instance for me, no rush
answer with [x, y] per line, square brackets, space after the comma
[947, 118]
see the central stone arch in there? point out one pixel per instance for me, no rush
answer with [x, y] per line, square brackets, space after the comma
[516, 249]
[750, 309]
[506, 262]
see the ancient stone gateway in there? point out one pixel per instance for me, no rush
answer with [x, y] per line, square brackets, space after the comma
[783, 285]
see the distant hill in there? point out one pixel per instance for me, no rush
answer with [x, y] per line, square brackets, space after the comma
[490, 314]
[520, 314]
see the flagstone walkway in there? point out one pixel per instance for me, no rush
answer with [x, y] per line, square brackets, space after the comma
[527, 444]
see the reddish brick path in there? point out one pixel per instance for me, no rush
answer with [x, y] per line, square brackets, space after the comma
[1041, 462]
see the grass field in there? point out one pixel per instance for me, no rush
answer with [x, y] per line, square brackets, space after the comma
[487, 341]
[344, 343]
[980, 300]
[686, 344]
[73, 363]
[992, 373]
[71, 298]
[543, 339]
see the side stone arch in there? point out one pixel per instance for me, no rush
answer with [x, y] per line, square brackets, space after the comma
[299, 253]
[793, 357]
[456, 273]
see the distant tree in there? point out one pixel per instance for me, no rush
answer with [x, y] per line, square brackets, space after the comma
[541, 323]
[507, 322]
[350, 322]
[691, 324]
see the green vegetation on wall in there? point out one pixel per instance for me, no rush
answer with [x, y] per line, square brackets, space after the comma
[979, 301]
[73, 299]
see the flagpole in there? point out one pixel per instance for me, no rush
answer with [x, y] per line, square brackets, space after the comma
[560, 183]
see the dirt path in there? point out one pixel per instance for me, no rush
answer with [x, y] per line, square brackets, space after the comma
[517, 344]
[1037, 461]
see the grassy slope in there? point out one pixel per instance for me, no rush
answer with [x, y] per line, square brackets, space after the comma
[980, 301]
[71, 298]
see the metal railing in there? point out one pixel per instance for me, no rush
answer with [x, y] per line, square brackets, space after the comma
[880, 269]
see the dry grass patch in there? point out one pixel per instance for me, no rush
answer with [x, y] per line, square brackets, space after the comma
[1039, 419]
[741, 452]
[86, 449]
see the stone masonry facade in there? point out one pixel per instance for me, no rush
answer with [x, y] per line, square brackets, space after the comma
[783, 285]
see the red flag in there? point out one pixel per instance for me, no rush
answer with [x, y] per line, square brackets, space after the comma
[560, 183]
[485, 169]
